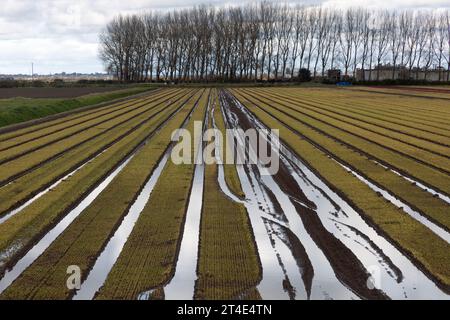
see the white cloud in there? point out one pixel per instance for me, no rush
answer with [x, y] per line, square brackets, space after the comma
[61, 35]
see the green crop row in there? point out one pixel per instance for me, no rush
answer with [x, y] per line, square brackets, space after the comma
[352, 107]
[84, 239]
[228, 264]
[26, 226]
[439, 161]
[39, 138]
[425, 202]
[408, 135]
[428, 250]
[149, 256]
[61, 135]
[29, 184]
[30, 160]
[371, 108]
[413, 168]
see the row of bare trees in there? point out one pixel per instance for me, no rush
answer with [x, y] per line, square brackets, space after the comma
[268, 41]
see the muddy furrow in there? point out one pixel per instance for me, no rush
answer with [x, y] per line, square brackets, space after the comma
[391, 271]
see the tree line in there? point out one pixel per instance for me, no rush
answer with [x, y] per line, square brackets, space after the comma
[272, 42]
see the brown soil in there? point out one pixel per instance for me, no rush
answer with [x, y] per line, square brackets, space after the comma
[44, 93]
[345, 264]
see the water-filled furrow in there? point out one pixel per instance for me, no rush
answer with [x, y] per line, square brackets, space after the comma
[32, 254]
[400, 204]
[182, 285]
[325, 283]
[106, 260]
[434, 192]
[14, 212]
[51, 236]
[391, 271]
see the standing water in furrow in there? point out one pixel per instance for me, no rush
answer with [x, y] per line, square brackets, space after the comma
[113, 249]
[182, 285]
[391, 271]
[288, 272]
[48, 239]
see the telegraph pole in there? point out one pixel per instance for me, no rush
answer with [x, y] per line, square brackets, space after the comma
[32, 71]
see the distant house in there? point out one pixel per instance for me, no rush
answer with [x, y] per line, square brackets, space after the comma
[334, 75]
[388, 72]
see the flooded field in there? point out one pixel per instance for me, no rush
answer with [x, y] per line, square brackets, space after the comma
[358, 208]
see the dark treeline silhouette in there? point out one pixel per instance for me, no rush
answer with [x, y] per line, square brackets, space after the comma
[267, 41]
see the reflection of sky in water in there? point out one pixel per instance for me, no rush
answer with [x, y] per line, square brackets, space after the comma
[348, 226]
[51, 236]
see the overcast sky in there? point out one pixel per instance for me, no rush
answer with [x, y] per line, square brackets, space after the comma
[61, 35]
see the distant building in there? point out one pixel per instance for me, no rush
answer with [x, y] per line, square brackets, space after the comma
[388, 72]
[6, 78]
[334, 75]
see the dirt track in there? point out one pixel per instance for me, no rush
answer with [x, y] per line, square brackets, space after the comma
[6, 93]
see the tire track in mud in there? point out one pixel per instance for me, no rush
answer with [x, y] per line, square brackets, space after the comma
[402, 273]
[441, 195]
[345, 264]
[92, 137]
[26, 255]
[83, 112]
[142, 103]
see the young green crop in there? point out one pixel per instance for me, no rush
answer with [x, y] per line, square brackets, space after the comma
[149, 256]
[17, 110]
[39, 138]
[33, 221]
[228, 264]
[427, 249]
[420, 171]
[84, 239]
[411, 136]
[29, 184]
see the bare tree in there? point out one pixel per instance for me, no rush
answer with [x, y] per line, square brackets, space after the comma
[271, 41]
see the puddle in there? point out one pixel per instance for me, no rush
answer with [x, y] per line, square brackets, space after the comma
[51, 236]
